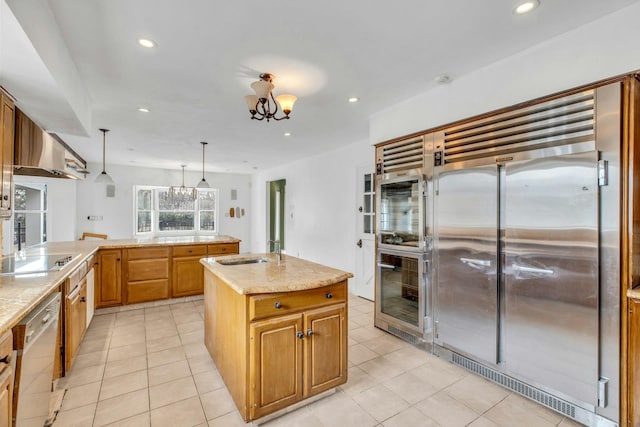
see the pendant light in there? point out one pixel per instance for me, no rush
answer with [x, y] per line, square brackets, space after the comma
[203, 183]
[104, 177]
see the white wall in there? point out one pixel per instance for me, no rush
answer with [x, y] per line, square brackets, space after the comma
[117, 212]
[61, 210]
[605, 48]
[320, 205]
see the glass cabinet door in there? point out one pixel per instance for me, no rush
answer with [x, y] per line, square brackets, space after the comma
[400, 287]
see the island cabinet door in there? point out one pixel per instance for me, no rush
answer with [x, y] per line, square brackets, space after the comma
[325, 349]
[275, 371]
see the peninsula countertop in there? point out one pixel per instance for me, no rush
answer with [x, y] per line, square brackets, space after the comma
[290, 274]
[21, 293]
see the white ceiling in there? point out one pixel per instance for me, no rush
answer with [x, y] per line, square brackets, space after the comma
[209, 52]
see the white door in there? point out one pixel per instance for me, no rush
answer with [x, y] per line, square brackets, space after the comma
[365, 253]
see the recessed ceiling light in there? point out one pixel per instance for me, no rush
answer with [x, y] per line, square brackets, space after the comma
[443, 79]
[143, 109]
[354, 99]
[287, 134]
[147, 43]
[526, 7]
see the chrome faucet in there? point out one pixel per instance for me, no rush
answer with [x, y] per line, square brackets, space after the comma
[276, 249]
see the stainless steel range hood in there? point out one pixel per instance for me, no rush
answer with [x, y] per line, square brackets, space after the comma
[39, 153]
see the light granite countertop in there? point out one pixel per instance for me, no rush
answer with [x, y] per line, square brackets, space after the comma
[20, 294]
[634, 293]
[291, 274]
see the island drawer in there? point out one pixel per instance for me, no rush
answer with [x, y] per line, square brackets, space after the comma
[190, 250]
[266, 305]
[152, 252]
[223, 249]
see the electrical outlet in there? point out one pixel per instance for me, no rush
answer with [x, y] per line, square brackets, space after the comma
[94, 217]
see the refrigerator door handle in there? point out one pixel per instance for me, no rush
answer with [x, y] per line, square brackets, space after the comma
[478, 264]
[383, 265]
[525, 269]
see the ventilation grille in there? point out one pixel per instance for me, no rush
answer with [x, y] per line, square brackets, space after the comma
[526, 390]
[568, 120]
[402, 155]
[401, 334]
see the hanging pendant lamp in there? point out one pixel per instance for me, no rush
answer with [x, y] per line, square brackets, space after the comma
[104, 177]
[203, 183]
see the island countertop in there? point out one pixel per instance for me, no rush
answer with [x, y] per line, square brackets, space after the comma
[290, 274]
[19, 294]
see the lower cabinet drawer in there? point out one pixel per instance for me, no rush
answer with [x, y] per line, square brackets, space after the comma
[147, 290]
[265, 305]
[223, 249]
[148, 269]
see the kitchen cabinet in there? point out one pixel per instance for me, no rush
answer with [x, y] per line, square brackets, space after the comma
[75, 319]
[634, 362]
[6, 380]
[146, 274]
[223, 249]
[108, 278]
[188, 273]
[7, 120]
[284, 347]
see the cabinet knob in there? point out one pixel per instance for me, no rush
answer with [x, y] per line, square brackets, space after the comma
[300, 335]
[309, 332]
[278, 304]
[329, 295]
[5, 197]
[83, 299]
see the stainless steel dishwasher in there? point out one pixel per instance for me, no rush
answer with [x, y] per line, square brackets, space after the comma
[35, 345]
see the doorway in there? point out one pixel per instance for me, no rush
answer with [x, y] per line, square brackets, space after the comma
[365, 237]
[275, 209]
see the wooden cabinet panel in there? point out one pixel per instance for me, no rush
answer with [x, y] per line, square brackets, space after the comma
[109, 278]
[188, 277]
[224, 249]
[6, 397]
[276, 361]
[147, 269]
[326, 344]
[147, 290]
[75, 322]
[148, 252]
[190, 250]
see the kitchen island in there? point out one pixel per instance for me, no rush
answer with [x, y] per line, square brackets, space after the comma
[276, 329]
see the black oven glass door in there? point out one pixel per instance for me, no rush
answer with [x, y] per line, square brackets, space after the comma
[400, 287]
[400, 213]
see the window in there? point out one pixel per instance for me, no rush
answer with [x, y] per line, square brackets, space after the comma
[30, 215]
[157, 213]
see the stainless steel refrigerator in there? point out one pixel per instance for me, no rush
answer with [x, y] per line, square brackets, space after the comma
[525, 210]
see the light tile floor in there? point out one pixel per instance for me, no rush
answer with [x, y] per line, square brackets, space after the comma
[148, 366]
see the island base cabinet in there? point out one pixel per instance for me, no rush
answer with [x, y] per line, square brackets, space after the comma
[634, 363]
[295, 357]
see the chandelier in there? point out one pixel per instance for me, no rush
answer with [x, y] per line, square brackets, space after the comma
[182, 195]
[263, 105]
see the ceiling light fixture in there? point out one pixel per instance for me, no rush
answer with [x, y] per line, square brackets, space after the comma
[287, 134]
[526, 7]
[263, 105]
[354, 99]
[203, 183]
[182, 195]
[143, 109]
[104, 177]
[147, 43]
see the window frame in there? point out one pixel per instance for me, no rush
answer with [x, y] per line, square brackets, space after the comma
[155, 213]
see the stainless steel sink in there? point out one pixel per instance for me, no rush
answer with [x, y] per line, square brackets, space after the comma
[242, 261]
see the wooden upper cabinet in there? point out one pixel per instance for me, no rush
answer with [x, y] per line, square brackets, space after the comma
[108, 284]
[7, 119]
